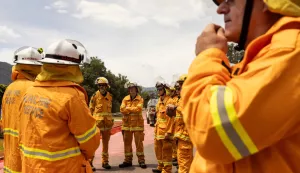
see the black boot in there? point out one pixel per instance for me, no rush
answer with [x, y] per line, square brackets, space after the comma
[174, 162]
[125, 164]
[106, 166]
[143, 165]
[93, 168]
[156, 170]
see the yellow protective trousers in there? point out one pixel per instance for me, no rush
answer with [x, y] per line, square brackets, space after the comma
[163, 151]
[138, 139]
[174, 147]
[105, 140]
[184, 156]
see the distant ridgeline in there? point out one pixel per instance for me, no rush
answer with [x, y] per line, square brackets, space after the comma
[5, 73]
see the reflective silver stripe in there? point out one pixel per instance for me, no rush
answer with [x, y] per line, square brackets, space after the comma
[7, 170]
[139, 153]
[229, 129]
[50, 156]
[83, 138]
[12, 132]
[128, 154]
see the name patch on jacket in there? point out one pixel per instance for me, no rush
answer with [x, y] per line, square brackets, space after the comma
[11, 96]
[34, 105]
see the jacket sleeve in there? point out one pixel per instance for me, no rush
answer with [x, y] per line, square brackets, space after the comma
[170, 121]
[123, 109]
[229, 119]
[83, 126]
[138, 108]
[92, 104]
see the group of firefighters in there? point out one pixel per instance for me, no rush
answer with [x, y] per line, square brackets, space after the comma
[172, 141]
[48, 124]
[240, 119]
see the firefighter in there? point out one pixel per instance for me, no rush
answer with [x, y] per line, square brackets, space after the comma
[185, 146]
[58, 132]
[163, 141]
[100, 106]
[173, 94]
[23, 75]
[133, 125]
[246, 120]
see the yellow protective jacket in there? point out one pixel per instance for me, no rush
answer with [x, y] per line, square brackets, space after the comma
[11, 101]
[59, 133]
[100, 107]
[164, 124]
[132, 113]
[180, 131]
[248, 122]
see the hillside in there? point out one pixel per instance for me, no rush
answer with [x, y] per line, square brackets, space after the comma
[149, 89]
[5, 73]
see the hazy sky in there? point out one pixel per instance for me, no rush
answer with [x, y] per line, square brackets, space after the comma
[142, 39]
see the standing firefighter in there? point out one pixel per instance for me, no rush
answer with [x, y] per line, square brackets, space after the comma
[23, 76]
[174, 95]
[58, 132]
[247, 118]
[133, 125]
[163, 132]
[100, 106]
[185, 146]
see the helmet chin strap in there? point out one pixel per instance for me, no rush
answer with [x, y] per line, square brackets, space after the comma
[245, 26]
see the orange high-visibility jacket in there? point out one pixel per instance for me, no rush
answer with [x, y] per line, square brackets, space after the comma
[11, 101]
[180, 131]
[132, 113]
[58, 132]
[249, 122]
[100, 107]
[164, 124]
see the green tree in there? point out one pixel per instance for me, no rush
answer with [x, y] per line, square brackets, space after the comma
[96, 69]
[234, 55]
[146, 97]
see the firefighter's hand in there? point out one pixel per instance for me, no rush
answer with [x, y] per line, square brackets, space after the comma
[168, 136]
[171, 110]
[128, 109]
[213, 36]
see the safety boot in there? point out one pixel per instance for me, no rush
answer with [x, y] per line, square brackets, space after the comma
[93, 168]
[143, 165]
[156, 170]
[125, 164]
[174, 162]
[106, 166]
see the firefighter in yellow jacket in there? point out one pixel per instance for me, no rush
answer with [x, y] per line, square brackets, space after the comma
[23, 75]
[246, 120]
[58, 132]
[163, 132]
[185, 146]
[100, 106]
[174, 95]
[133, 125]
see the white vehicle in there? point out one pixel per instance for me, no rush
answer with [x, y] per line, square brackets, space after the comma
[151, 112]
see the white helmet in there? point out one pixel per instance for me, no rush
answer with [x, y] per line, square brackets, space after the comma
[28, 55]
[66, 52]
[101, 80]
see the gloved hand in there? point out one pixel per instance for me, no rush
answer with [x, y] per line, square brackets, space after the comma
[171, 110]
[168, 136]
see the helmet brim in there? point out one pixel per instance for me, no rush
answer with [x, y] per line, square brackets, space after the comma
[27, 62]
[55, 61]
[218, 2]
